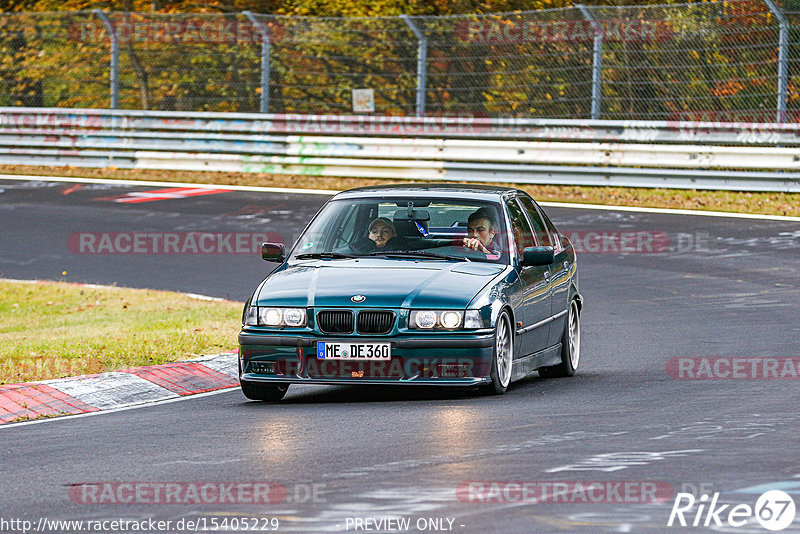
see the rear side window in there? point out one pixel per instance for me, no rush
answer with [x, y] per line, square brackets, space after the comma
[539, 226]
[523, 236]
[557, 239]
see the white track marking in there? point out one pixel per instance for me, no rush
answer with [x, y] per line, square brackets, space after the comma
[149, 183]
[672, 211]
[667, 211]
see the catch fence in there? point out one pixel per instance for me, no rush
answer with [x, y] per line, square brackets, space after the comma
[733, 61]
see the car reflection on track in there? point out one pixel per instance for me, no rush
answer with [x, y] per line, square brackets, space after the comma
[460, 286]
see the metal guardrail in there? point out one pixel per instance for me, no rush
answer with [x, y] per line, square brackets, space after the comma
[759, 157]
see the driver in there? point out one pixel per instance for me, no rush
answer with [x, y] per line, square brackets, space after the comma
[481, 230]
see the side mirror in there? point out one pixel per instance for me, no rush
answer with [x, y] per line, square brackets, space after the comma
[537, 256]
[272, 252]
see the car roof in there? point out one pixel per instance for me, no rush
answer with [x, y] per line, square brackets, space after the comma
[466, 191]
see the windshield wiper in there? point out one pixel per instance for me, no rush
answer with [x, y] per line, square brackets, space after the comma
[325, 256]
[419, 254]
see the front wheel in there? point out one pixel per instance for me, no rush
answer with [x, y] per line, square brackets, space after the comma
[264, 392]
[503, 356]
[570, 346]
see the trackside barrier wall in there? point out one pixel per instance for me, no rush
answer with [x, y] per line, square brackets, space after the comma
[735, 156]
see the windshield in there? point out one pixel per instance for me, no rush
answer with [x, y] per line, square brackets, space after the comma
[418, 228]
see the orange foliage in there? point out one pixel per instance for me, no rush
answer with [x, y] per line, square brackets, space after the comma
[727, 89]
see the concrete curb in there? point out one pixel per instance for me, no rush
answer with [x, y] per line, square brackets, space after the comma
[117, 389]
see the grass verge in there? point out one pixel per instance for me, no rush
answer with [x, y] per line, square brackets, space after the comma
[54, 329]
[730, 201]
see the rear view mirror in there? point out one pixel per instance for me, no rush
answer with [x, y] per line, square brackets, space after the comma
[416, 215]
[272, 252]
[538, 256]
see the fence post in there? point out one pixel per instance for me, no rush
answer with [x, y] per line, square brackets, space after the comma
[422, 62]
[597, 61]
[114, 68]
[265, 49]
[783, 58]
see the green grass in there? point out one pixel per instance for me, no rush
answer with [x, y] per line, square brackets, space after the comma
[53, 330]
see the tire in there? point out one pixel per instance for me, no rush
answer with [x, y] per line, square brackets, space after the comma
[503, 356]
[264, 392]
[570, 346]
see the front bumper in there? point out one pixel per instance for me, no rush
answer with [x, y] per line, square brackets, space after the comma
[440, 360]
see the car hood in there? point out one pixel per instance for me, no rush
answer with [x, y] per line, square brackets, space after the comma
[400, 284]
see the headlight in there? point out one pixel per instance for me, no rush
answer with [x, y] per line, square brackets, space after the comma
[270, 316]
[424, 319]
[263, 316]
[430, 319]
[451, 319]
[294, 317]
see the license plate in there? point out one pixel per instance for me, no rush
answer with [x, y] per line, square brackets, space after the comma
[353, 351]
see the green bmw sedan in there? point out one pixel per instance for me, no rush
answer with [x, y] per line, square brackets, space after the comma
[419, 284]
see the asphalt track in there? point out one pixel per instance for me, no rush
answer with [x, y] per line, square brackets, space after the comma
[721, 288]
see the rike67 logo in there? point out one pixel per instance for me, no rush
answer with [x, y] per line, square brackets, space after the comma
[774, 510]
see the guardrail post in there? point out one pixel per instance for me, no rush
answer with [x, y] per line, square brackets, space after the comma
[422, 62]
[783, 58]
[114, 68]
[597, 61]
[265, 49]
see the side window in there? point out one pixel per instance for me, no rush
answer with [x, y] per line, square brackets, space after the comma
[523, 237]
[539, 226]
[557, 238]
[345, 231]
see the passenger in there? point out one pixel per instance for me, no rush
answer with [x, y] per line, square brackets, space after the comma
[481, 230]
[382, 232]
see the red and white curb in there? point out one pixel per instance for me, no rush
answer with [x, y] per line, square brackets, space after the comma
[117, 389]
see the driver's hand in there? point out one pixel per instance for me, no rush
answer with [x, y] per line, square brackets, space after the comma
[475, 244]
